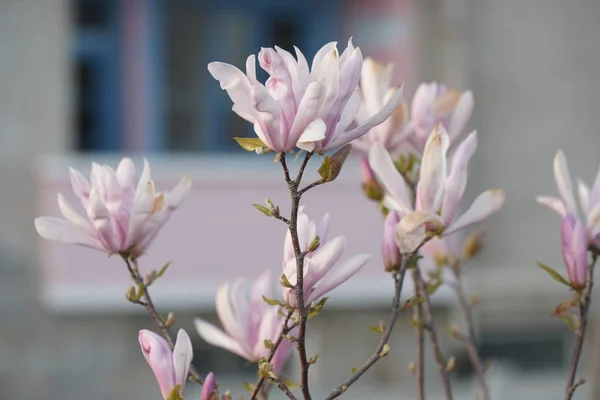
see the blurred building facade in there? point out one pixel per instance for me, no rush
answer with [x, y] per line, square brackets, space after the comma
[79, 78]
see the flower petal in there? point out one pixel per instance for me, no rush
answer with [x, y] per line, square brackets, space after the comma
[430, 189]
[563, 181]
[461, 115]
[339, 275]
[554, 203]
[175, 197]
[584, 196]
[183, 353]
[226, 312]
[412, 229]
[484, 205]
[381, 163]
[73, 216]
[387, 110]
[64, 231]
[216, 337]
[456, 182]
[324, 258]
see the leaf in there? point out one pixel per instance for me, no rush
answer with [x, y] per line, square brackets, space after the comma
[313, 359]
[413, 301]
[248, 386]
[253, 144]
[413, 262]
[140, 291]
[353, 370]
[433, 287]
[314, 244]
[386, 349]
[377, 329]
[283, 279]
[562, 310]
[273, 302]
[573, 322]
[325, 169]
[555, 275]
[416, 322]
[268, 344]
[263, 210]
[291, 385]
[163, 270]
[315, 309]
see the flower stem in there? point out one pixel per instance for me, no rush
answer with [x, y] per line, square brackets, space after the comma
[420, 335]
[584, 308]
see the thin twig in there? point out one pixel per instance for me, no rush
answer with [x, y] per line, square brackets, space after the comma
[137, 277]
[469, 339]
[430, 327]
[420, 335]
[283, 387]
[385, 337]
[312, 185]
[285, 329]
[584, 308]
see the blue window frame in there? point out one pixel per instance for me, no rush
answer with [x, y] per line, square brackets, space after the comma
[96, 61]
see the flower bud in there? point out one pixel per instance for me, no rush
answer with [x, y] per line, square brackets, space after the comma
[392, 259]
[209, 388]
[371, 187]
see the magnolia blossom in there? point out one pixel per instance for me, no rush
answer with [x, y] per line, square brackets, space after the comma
[122, 217]
[589, 199]
[376, 90]
[574, 248]
[392, 259]
[301, 107]
[438, 192]
[433, 104]
[248, 321]
[209, 388]
[319, 276]
[171, 367]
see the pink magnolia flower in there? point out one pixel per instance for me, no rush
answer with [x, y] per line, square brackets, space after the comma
[171, 367]
[574, 247]
[392, 259]
[121, 217]
[248, 321]
[438, 192]
[320, 276]
[589, 199]
[209, 388]
[297, 106]
[433, 104]
[376, 89]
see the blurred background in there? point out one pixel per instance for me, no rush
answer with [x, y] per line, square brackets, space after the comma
[84, 80]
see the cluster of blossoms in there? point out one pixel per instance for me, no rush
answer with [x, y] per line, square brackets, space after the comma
[339, 99]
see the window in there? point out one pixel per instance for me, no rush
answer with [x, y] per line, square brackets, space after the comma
[95, 75]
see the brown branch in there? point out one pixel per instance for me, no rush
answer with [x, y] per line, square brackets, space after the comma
[420, 365]
[469, 339]
[308, 187]
[284, 331]
[137, 277]
[299, 287]
[430, 327]
[584, 308]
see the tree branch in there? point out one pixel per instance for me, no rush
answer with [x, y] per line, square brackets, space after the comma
[430, 327]
[420, 365]
[469, 339]
[132, 266]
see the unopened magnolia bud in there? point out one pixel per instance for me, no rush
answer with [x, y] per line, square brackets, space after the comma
[170, 319]
[371, 187]
[338, 159]
[392, 259]
[130, 295]
[454, 331]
